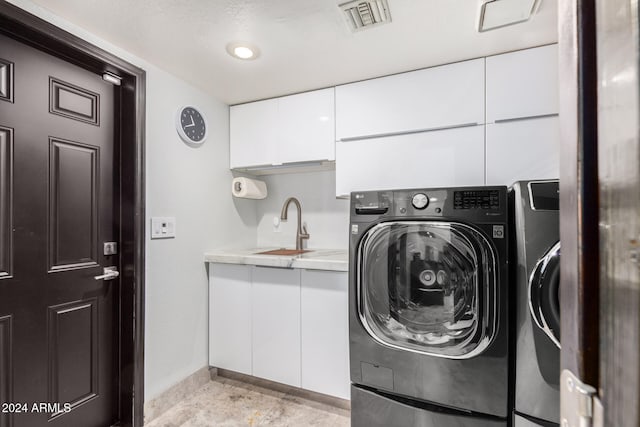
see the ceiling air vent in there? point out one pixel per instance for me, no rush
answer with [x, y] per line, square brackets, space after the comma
[366, 14]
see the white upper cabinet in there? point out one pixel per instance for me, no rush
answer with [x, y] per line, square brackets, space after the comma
[253, 133]
[290, 129]
[439, 97]
[450, 157]
[522, 84]
[306, 126]
[523, 149]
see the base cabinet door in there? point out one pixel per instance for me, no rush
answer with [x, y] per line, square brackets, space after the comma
[325, 332]
[523, 150]
[230, 317]
[276, 324]
[519, 421]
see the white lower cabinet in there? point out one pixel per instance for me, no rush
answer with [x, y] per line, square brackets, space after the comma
[325, 332]
[230, 317]
[275, 316]
[286, 325]
[443, 158]
[523, 150]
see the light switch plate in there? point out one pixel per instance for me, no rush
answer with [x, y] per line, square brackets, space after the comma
[163, 227]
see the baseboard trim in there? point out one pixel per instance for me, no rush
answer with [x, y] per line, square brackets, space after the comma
[282, 388]
[175, 394]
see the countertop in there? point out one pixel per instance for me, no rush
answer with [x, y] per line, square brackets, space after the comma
[316, 259]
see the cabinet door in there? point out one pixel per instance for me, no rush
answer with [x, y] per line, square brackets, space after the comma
[306, 123]
[276, 324]
[230, 317]
[325, 332]
[452, 157]
[444, 96]
[523, 149]
[253, 133]
[522, 84]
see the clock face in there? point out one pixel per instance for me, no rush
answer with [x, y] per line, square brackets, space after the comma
[192, 125]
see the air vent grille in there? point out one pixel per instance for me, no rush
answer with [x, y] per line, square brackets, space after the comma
[366, 14]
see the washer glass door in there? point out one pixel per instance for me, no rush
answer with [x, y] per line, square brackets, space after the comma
[428, 287]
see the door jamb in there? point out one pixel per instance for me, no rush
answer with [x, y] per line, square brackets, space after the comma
[36, 32]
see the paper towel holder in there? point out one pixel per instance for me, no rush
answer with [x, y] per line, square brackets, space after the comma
[247, 188]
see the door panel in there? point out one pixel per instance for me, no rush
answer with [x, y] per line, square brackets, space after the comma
[73, 102]
[5, 367]
[6, 80]
[6, 201]
[73, 205]
[73, 374]
[57, 202]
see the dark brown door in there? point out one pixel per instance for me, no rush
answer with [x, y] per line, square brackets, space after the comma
[600, 211]
[58, 324]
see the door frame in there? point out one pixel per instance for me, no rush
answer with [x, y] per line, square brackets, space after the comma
[36, 32]
[579, 198]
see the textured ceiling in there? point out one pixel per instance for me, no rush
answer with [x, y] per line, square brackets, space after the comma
[304, 44]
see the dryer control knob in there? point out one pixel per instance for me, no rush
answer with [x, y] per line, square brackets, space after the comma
[420, 201]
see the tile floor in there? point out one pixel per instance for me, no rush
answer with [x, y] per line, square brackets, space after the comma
[227, 402]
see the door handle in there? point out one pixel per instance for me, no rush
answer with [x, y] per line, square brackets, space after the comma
[109, 273]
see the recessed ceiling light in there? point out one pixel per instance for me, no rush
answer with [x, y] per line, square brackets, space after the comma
[242, 50]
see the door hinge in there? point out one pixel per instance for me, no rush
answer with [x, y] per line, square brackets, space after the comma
[579, 403]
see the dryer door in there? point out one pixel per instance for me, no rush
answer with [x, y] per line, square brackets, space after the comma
[544, 295]
[428, 287]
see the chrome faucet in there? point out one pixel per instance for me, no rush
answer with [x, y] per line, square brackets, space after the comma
[301, 234]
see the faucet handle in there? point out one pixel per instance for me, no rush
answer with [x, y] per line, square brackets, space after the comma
[305, 233]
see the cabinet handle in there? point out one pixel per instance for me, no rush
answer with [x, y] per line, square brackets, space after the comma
[407, 132]
[274, 267]
[517, 119]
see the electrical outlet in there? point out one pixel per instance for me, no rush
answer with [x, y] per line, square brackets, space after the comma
[163, 227]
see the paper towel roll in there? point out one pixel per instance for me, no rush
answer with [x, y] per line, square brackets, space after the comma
[248, 188]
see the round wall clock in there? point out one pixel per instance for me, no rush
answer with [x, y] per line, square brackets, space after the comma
[191, 125]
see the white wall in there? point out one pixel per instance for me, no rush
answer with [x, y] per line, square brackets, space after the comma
[192, 184]
[327, 218]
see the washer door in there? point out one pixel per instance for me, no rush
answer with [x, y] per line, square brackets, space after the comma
[544, 295]
[428, 287]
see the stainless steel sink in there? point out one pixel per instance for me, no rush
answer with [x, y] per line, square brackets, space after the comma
[283, 252]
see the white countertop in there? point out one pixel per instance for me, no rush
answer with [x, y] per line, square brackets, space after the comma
[316, 259]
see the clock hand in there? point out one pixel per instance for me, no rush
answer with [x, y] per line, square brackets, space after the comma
[192, 123]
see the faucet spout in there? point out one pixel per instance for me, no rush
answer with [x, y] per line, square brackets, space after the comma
[301, 232]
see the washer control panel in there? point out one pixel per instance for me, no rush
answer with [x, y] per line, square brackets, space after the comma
[420, 201]
[476, 199]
